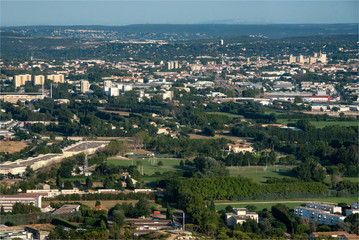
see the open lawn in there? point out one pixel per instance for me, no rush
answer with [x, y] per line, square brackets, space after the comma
[291, 203]
[231, 115]
[150, 165]
[321, 124]
[261, 173]
[12, 146]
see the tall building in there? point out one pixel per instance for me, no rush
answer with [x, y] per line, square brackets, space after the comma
[85, 86]
[20, 80]
[39, 80]
[56, 78]
[221, 42]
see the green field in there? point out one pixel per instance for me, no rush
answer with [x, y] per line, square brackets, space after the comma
[261, 173]
[150, 165]
[231, 115]
[321, 124]
[288, 202]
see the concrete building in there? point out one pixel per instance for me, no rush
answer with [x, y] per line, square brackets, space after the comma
[20, 80]
[7, 201]
[239, 216]
[167, 95]
[85, 86]
[324, 207]
[354, 208]
[56, 78]
[320, 216]
[67, 209]
[39, 80]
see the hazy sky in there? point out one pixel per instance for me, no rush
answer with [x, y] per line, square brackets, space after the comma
[122, 12]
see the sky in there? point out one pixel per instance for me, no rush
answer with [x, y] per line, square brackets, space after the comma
[125, 12]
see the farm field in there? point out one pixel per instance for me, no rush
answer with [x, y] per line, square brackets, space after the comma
[150, 165]
[289, 202]
[231, 115]
[261, 173]
[11, 146]
[322, 124]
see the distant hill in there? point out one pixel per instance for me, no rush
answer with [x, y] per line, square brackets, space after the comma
[187, 31]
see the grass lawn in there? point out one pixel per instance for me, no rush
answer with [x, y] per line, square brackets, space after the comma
[288, 202]
[260, 173]
[231, 115]
[321, 124]
[150, 165]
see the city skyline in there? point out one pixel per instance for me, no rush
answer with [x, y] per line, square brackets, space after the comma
[117, 13]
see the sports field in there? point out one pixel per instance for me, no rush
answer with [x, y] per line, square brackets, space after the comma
[261, 173]
[150, 165]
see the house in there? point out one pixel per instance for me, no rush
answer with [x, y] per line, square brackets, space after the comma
[239, 216]
[99, 208]
[235, 148]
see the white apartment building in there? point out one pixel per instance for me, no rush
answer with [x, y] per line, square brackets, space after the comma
[84, 86]
[320, 216]
[20, 80]
[7, 201]
[354, 208]
[39, 80]
[324, 207]
[56, 78]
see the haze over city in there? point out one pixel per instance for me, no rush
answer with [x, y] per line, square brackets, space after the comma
[25, 13]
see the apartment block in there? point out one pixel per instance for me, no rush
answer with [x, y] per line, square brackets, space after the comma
[85, 86]
[20, 80]
[39, 80]
[324, 207]
[56, 78]
[320, 216]
[7, 201]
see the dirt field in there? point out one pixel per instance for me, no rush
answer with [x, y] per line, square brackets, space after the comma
[234, 139]
[11, 147]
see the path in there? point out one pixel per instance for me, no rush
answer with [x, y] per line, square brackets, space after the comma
[229, 203]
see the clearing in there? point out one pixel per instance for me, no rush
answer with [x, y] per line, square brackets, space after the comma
[12, 146]
[261, 173]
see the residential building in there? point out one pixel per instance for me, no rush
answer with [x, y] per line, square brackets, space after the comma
[85, 86]
[354, 208]
[7, 201]
[56, 78]
[320, 216]
[39, 80]
[324, 207]
[239, 216]
[20, 80]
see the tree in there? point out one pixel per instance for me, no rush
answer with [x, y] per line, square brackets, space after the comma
[68, 185]
[59, 181]
[129, 183]
[119, 218]
[98, 203]
[209, 131]
[160, 163]
[89, 182]
[169, 212]
[142, 208]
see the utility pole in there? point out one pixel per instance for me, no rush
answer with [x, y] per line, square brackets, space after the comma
[184, 221]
